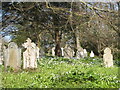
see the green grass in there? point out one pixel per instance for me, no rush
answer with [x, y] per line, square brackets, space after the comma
[64, 73]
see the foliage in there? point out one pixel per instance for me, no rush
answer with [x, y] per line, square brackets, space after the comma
[54, 72]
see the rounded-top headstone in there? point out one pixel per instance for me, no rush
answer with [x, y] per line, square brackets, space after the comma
[85, 51]
[12, 45]
[107, 50]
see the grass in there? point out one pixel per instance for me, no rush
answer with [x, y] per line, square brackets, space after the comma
[64, 73]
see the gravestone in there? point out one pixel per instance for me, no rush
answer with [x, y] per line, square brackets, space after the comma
[37, 52]
[13, 56]
[108, 58]
[80, 54]
[41, 52]
[53, 51]
[1, 51]
[85, 53]
[92, 54]
[68, 52]
[62, 50]
[5, 56]
[30, 55]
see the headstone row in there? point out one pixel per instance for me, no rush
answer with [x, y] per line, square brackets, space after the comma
[12, 55]
[68, 52]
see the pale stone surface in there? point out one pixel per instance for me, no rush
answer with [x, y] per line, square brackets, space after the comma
[30, 55]
[5, 56]
[108, 58]
[37, 51]
[13, 56]
[81, 53]
[62, 50]
[92, 54]
[1, 52]
[53, 51]
[85, 53]
[68, 52]
[1, 57]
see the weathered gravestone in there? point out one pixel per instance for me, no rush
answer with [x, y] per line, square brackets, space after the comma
[68, 52]
[108, 58]
[92, 54]
[85, 53]
[41, 52]
[1, 51]
[81, 53]
[62, 50]
[13, 56]
[53, 51]
[30, 55]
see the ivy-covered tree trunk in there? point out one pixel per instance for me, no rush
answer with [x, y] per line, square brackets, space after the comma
[57, 42]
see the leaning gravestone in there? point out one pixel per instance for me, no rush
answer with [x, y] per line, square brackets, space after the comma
[13, 56]
[108, 58]
[68, 52]
[30, 55]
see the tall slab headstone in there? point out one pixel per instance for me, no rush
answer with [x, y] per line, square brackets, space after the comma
[13, 56]
[30, 55]
[108, 58]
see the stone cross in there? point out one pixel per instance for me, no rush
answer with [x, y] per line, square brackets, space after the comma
[92, 54]
[68, 52]
[30, 55]
[108, 58]
[13, 56]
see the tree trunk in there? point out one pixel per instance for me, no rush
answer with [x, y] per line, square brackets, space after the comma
[77, 41]
[58, 41]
